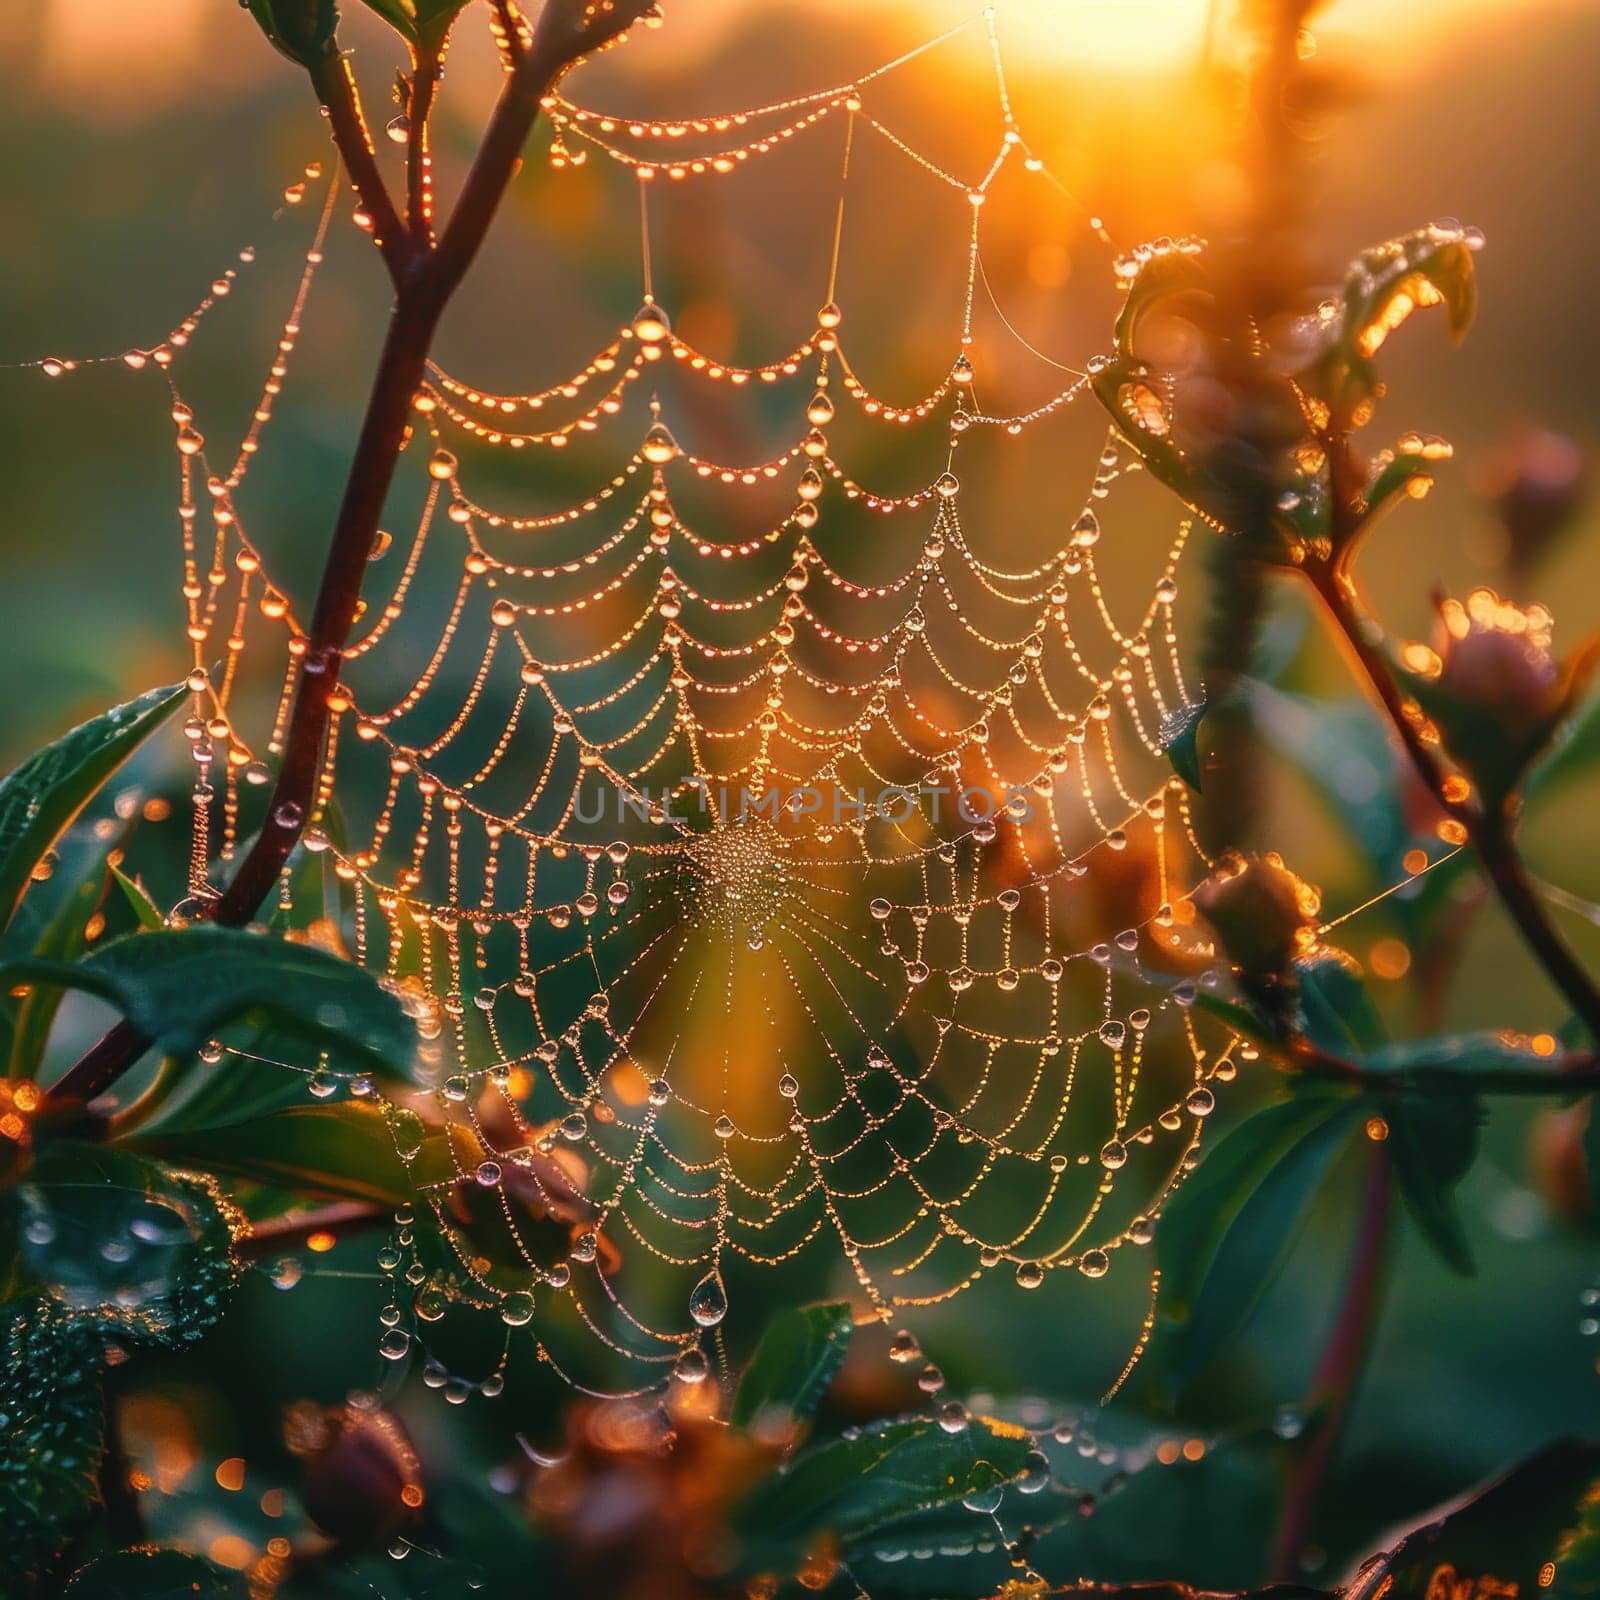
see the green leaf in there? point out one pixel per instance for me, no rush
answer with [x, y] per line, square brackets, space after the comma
[885, 1472]
[189, 1096]
[51, 1440]
[1338, 1013]
[1433, 1140]
[142, 1250]
[1503, 1541]
[800, 1351]
[149, 1574]
[1227, 1230]
[339, 1152]
[1575, 752]
[41, 797]
[144, 908]
[1113, 382]
[1164, 276]
[1391, 482]
[180, 987]
[1460, 1053]
[425, 22]
[62, 940]
[1179, 730]
[303, 30]
[1384, 285]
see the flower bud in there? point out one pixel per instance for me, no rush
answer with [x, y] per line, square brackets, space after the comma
[1263, 915]
[1535, 480]
[362, 1476]
[1495, 689]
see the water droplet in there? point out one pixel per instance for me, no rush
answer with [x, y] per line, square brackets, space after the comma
[904, 1347]
[708, 1300]
[985, 1489]
[691, 1367]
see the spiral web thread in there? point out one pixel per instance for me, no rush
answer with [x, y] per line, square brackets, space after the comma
[680, 1043]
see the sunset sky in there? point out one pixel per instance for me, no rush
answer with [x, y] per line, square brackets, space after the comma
[131, 61]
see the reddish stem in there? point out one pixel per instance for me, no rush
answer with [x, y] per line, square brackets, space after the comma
[336, 87]
[425, 66]
[1333, 1386]
[291, 1232]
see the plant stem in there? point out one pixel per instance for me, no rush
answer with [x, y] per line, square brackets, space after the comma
[290, 1232]
[1333, 1386]
[336, 88]
[124, 1518]
[1564, 1075]
[426, 279]
[1488, 832]
[425, 66]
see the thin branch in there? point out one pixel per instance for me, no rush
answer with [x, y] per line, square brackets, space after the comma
[513, 31]
[1489, 834]
[425, 281]
[336, 86]
[291, 1232]
[425, 67]
[1344, 1356]
[1571, 1074]
[567, 31]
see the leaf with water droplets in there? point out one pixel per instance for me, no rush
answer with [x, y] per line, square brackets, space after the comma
[181, 987]
[1165, 276]
[146, 1573]
[345, 1151]
[799, 1353]
[51, 1440]
[1536, 1531]
[1179, 730]
[41, 797]
[130, 1245]
[1394, 480]
[1385, 284]
[886, 1472]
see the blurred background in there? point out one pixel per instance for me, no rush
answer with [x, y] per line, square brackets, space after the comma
[149, 143]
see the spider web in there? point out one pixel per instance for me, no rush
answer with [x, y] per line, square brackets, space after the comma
[777, 879]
